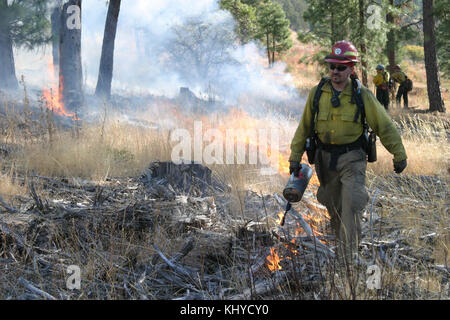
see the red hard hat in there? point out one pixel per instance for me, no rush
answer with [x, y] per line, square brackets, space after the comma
[342, 52]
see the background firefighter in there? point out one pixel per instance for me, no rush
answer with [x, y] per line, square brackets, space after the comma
[400, 77]
[340, 160]
[381, 81]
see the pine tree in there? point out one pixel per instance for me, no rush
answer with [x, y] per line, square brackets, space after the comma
[370, 36]
[245, 16]
[273, 29]
[327, 24]
[334, 20]
[294, 12]
[23, 23]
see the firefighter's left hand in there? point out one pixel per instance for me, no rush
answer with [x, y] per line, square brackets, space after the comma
[399, 166]
[294, 167]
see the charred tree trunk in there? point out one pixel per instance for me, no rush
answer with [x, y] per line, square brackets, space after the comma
[107, 59]
[56, 25]
[431, 65]
[8, 78]
[70, 70]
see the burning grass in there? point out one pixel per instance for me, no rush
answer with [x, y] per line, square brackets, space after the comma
[95, 164]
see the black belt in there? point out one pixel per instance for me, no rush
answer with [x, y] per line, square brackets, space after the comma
[337, 150]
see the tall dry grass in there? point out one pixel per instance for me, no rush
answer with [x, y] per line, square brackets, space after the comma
[425, 139]
[120, 151]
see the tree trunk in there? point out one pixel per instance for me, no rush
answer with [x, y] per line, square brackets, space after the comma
[390, 43]
[8, 78]
[56, 25]
[362, 28]
[268, 49]
[107, 59]
[390, 49]
[332, 28]
[273, 49]
[70, 70]
[431, 65]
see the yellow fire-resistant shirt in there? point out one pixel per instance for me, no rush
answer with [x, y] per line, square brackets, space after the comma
[381, 78]
[336, 125]
[399, 76]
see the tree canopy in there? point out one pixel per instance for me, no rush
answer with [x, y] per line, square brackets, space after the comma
[22, 24]
[25, 22]
[199, 48]
[262, 20]
[273, 29]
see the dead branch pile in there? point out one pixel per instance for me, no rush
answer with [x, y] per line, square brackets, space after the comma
[173, 233]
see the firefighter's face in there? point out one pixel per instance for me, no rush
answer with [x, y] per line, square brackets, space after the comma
[339, 73]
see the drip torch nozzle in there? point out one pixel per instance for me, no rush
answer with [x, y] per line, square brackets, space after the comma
[288, 207]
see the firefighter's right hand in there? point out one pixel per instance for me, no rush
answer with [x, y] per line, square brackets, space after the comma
[399, 166]
[294, 167]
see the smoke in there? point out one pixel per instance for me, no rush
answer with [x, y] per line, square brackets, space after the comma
[151, 54]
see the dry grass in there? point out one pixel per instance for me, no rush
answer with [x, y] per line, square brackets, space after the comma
[9, 188]
[98, 152]
[426, 145]
[121, 150]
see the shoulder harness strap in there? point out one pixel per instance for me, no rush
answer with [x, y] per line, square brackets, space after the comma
[357, 98]
[316, 100]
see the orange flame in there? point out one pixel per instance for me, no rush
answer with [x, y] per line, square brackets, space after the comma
[273, 260]
[283, 164]
[55, 102]
[280, 217]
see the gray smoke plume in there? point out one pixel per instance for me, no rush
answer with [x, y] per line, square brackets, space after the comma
[162, 45]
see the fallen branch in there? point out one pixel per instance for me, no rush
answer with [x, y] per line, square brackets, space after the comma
[261, 288]
[36, 198]
[170, 263]
[35, 290]
[6, 206]
[188, 246]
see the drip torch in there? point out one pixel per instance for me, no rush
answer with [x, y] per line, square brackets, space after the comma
[295, 188]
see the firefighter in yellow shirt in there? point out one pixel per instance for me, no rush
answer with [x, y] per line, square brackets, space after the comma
[400, 77]
[381, 81]
[334, 123]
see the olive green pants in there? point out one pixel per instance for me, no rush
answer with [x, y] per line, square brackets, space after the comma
[343, 193]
